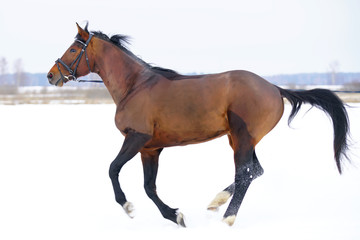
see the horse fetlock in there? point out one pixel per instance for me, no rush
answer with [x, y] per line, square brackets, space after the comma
[129, 209]
[220, 199]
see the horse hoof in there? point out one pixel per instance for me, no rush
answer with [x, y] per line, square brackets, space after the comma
[129, 209]
[180, 219]
[229, 220]
[220, 199]
[213, 208]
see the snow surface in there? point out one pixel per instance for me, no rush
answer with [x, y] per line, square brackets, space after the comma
[54, 180]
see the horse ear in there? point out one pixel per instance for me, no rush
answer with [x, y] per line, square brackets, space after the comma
[84, 34]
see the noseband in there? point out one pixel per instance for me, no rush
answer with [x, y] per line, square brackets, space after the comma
[72, 73]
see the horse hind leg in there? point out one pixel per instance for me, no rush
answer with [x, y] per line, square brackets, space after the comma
[223, 196]
[243, 179]
[247, 166]
[150, 161]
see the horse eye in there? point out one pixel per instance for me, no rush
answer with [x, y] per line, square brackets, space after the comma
[72, 50]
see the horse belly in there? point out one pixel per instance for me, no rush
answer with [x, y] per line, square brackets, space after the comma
[189, 111]
[188, 128]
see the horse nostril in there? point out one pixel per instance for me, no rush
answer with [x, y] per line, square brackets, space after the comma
[50, 76]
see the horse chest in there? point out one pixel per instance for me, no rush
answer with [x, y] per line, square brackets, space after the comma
[135, 118]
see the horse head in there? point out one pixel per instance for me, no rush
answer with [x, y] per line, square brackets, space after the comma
[75, 62]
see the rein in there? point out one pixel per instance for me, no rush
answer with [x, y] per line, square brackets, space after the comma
[72, 73]
[93, 81]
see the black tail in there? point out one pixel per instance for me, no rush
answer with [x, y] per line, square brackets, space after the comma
[332, 105]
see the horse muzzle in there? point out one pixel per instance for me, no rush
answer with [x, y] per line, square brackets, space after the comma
[55, 80]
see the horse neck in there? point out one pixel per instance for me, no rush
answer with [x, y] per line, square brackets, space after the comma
[119, 71]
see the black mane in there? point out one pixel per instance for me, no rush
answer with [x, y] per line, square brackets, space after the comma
[121, 41]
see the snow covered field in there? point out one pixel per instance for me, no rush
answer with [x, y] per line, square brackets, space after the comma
[54, 181]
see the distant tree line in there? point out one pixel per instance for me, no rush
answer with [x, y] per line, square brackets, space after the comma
[333, 77]
[340, 78]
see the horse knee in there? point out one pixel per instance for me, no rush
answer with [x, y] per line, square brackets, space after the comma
[150, 190]
[114, 170]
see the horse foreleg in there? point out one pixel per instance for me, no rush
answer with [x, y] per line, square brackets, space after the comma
[150, 160]
[133, 143]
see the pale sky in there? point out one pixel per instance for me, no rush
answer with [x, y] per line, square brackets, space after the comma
[204, 36]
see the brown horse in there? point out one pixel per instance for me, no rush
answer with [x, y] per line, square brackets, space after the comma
[159, 108]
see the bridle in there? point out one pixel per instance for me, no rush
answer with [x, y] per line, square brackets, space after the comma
[72, 73]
